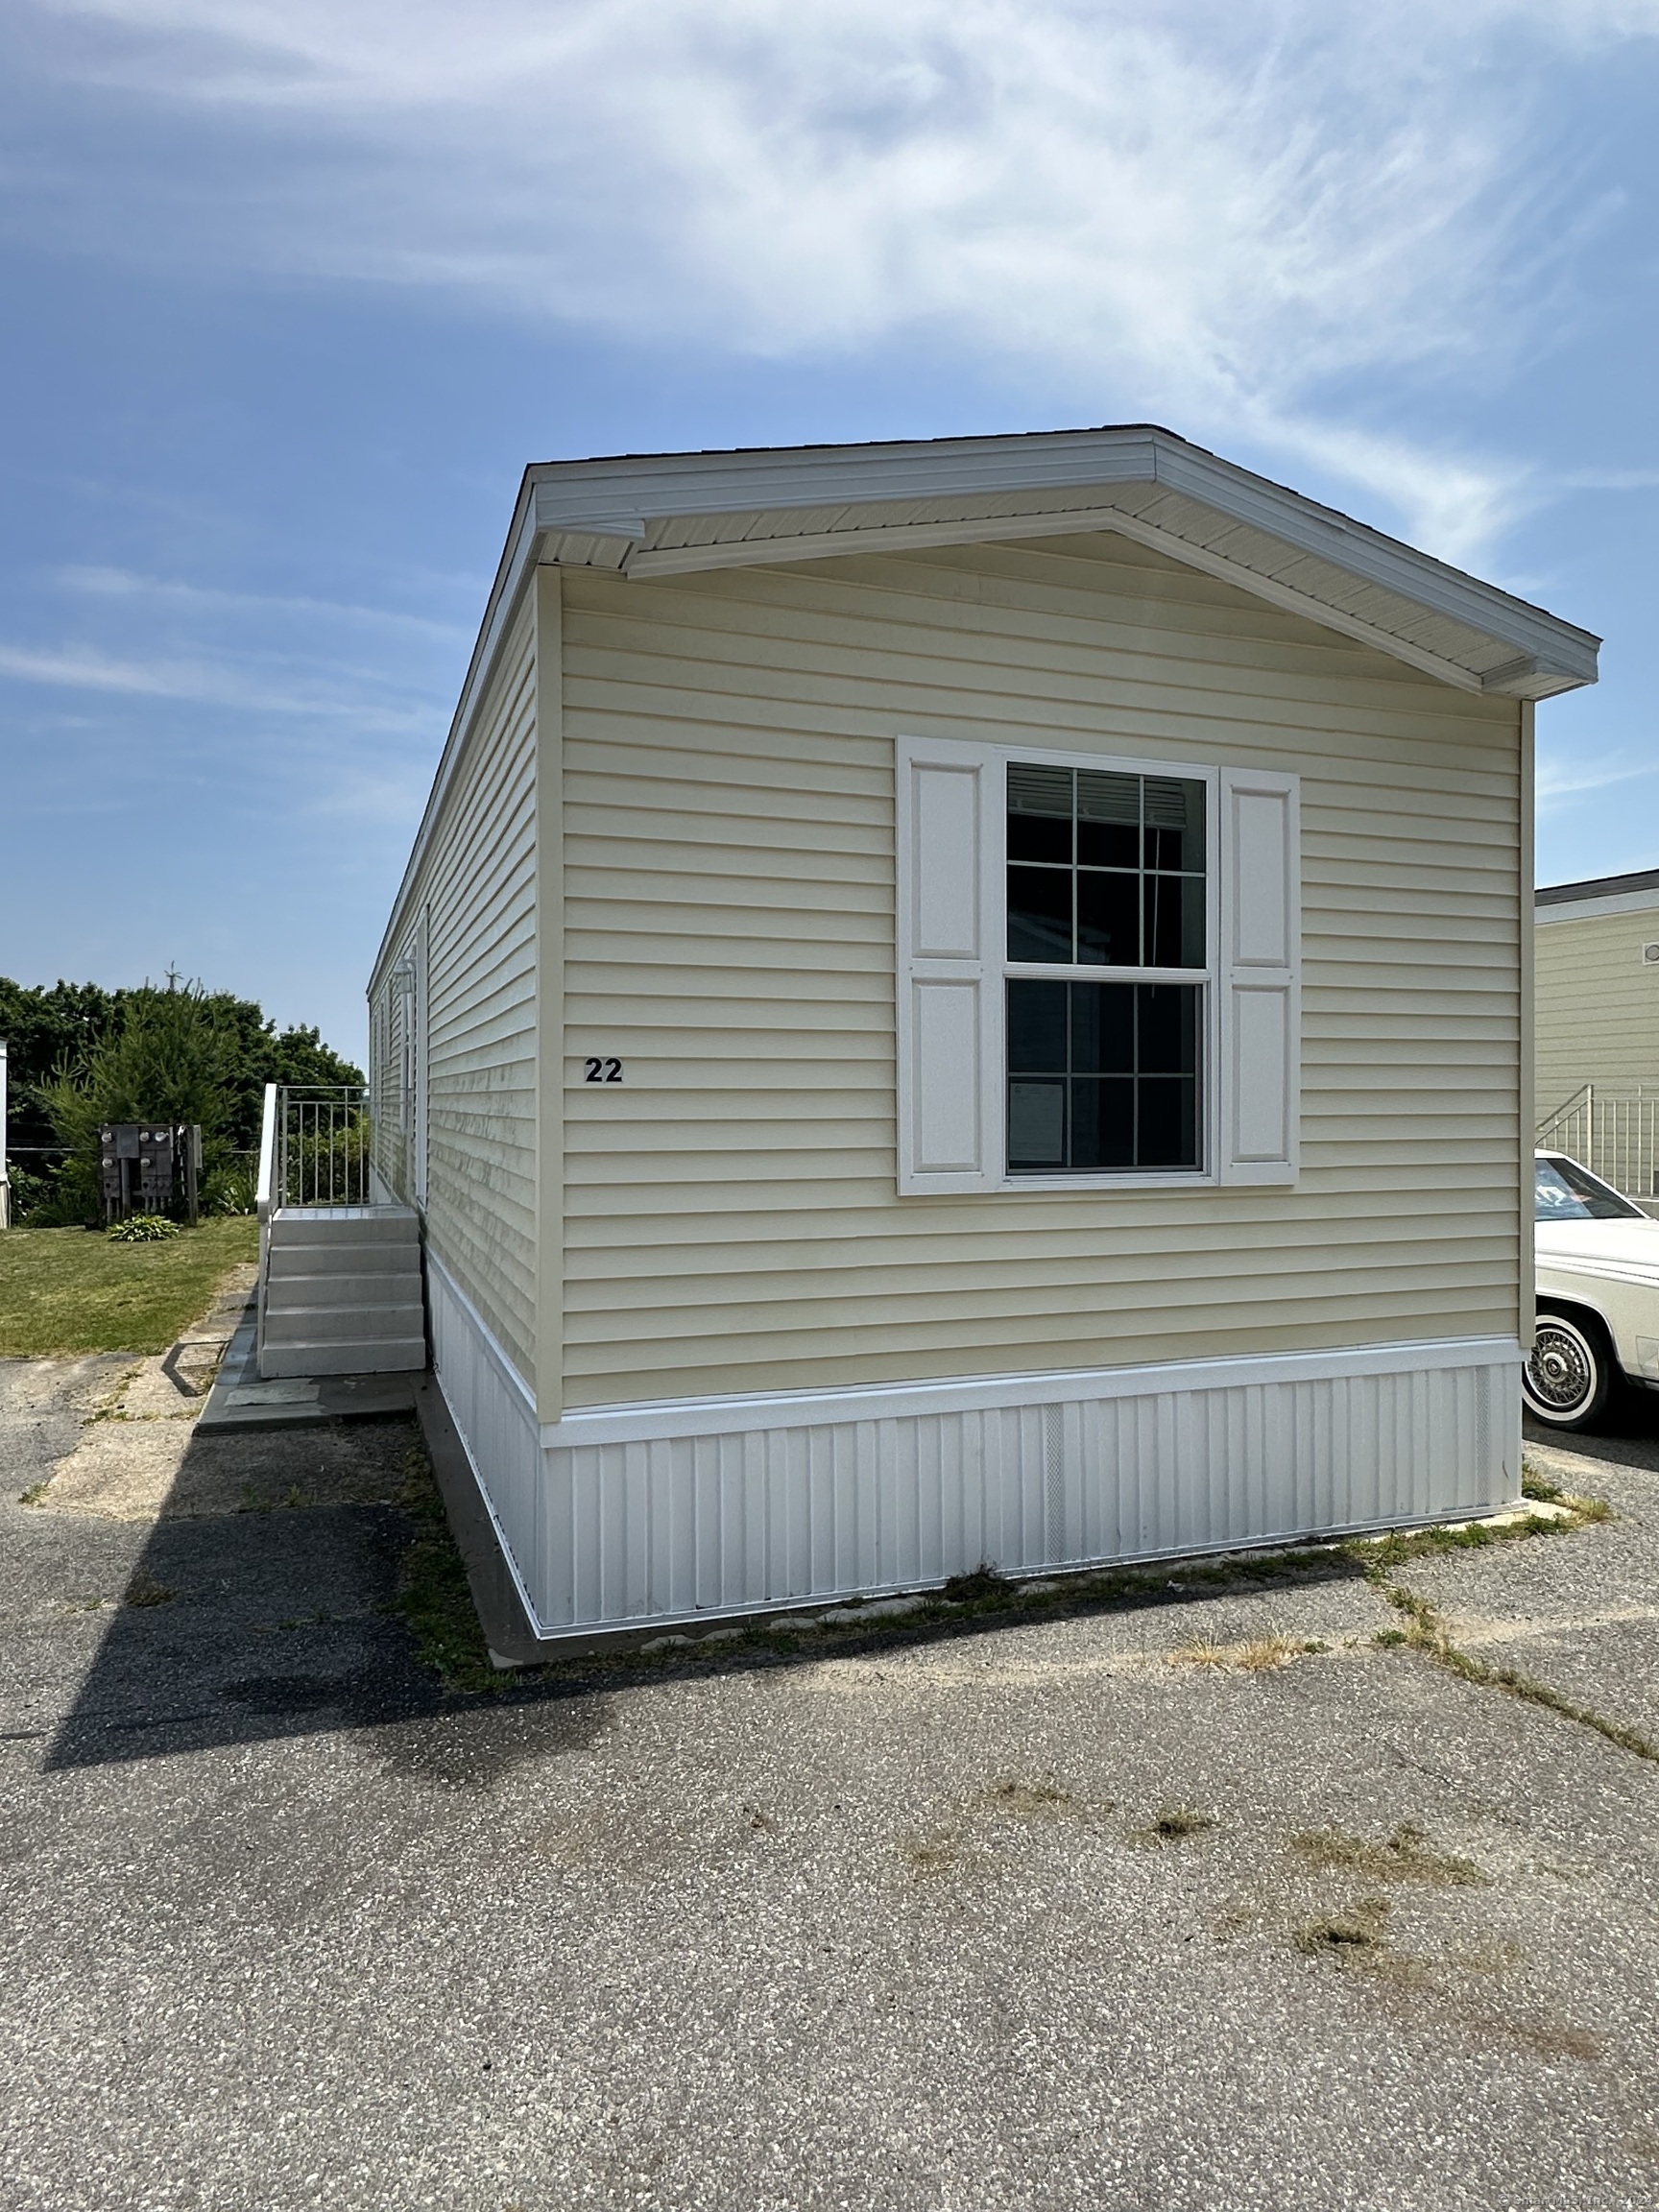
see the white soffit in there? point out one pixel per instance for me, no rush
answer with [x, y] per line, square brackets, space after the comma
[675, 513]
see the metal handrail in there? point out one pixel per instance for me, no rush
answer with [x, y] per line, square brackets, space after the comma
[1613, 1128]
[323, 1142]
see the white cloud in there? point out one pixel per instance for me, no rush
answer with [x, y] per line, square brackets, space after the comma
[104, 583]
[1198, 211]
[1558, 781]
[248, 689]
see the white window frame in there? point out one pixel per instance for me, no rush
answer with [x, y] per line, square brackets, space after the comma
[952, 973]
[1207, 978]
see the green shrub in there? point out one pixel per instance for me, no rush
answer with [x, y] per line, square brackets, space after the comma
[141, 1229]
[28, 1191]
[233, 1188]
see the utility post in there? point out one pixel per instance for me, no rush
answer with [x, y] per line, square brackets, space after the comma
[5, 1179]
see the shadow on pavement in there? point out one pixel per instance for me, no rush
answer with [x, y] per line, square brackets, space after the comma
[1628, 1432]
[259, 1618]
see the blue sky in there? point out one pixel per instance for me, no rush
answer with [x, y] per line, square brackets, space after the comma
[294, 288]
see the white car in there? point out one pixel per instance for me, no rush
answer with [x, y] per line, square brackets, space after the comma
[1597, 1260]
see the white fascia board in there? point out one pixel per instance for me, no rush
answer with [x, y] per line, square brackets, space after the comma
[1592, 909]
[577, 495]
[518, 560]
[1560, 646]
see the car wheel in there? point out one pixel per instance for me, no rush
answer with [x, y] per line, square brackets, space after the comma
[1567, 1379]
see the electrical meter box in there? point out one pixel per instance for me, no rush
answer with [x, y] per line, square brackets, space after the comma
[149, 1168]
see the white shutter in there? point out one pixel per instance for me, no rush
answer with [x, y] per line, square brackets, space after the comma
[948, 1012]
[1261, 870]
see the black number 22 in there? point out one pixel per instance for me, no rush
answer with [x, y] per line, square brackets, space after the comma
[603, 1072]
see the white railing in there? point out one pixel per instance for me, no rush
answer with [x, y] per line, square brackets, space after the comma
[321, 1145]
[315, 1146]
[1613, 1128]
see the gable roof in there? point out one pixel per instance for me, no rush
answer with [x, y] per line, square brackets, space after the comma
[666, 513]
[669, 514]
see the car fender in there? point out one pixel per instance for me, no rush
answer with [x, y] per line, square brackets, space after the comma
[1625, 1301]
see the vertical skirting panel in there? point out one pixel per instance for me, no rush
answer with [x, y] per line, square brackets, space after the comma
[496, 1419]
[782, 1505]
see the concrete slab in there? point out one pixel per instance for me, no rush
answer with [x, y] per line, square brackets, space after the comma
[241, 1399]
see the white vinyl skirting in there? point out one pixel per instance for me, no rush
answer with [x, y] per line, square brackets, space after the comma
[629, 1516]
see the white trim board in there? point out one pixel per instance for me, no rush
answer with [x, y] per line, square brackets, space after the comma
[660, 1418]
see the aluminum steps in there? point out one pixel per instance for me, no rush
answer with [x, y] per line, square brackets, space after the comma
[341, 1292]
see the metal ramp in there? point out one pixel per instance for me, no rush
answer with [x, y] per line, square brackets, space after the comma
[339, 1281]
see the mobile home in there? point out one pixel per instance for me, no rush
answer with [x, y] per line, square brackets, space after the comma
[1596, 1011]
[966, 1001]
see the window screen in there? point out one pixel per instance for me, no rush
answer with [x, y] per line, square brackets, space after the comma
[1105, 870]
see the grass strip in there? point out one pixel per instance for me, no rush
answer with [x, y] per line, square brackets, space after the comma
[69, 1291]
[434, 1596]
[437, 1603]
[1427, 1634]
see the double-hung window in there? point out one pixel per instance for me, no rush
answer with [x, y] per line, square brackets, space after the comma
[1098, 971]
[1108, 969]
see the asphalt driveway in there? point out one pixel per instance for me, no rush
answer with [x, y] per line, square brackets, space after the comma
[1201, 1898]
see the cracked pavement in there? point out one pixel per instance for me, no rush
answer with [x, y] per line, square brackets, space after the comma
[1043, 1913]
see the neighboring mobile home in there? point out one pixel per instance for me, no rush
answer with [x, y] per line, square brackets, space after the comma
[1596, 1009]
[966, 1001]
[1597, 985]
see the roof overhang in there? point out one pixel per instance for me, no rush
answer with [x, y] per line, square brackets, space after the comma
[674, 514]
[677, 513]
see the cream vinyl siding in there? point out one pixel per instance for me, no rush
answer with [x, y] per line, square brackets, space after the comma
[1597, 1005]
[732, 1223]
[477, 885]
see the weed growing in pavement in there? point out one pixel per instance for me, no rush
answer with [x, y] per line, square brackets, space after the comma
[1028, 1798]
[145, 1589]
[1405, 1856]
[984, 1582]
[1589, 1509]
[1171, 1826]
[1346, 1935]
[933, 1855]
[35, 1492]
[1427, 1634]
[1254, 1657]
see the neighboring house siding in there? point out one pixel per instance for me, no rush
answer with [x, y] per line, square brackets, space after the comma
[477, 886]
[731, 1218]
[1598, 1004]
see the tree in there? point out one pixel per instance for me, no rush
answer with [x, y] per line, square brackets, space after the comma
[81, 1056]
[170, 1058]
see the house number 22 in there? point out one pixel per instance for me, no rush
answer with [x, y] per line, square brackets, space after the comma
[602, 1071]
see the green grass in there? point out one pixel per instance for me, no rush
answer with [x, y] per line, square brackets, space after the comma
[69, 1290]
[433, 1593]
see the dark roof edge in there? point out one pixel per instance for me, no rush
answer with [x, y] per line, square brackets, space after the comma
[1598, 887]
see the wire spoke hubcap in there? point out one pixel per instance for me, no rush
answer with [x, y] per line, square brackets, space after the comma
[1559, 1372]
